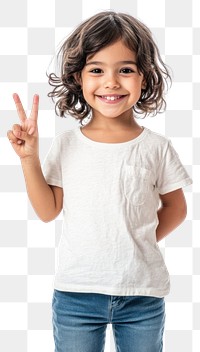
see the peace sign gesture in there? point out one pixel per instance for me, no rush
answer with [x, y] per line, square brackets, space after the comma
[24, 137]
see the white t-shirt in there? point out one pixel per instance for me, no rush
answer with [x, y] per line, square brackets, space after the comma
[111, 197]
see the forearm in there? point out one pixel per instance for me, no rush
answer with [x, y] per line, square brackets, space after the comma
[39, 192]
[169, 218]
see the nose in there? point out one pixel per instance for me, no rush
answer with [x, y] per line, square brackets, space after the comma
[111, 82]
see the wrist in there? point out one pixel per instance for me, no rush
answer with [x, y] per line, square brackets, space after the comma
[30, 160]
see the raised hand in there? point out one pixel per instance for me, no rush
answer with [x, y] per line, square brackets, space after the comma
[24, 137]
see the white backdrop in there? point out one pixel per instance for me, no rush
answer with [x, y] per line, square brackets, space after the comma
[29, 34]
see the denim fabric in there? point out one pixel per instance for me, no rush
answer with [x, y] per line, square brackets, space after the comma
[80, 321]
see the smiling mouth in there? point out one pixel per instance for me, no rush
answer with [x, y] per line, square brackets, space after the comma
[111, 98]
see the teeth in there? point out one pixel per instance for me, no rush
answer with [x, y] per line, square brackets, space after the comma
[110, 97]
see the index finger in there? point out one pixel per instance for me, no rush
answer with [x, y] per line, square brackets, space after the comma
[34, 110]
[19, 106]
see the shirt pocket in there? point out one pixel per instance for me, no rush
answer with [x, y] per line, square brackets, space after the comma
[136, 184]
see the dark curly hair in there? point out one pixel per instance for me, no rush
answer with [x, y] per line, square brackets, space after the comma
[91, 36]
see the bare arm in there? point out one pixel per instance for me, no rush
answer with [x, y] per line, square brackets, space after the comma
[46, 200]
[171, 214]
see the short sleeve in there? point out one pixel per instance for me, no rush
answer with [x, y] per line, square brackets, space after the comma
[52, 166]
[171, 173]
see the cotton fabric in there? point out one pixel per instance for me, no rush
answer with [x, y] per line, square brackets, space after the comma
[111, 197]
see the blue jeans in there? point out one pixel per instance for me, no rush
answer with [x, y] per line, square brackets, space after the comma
[80, 321]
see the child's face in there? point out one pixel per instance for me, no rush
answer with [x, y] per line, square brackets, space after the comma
[110, 81]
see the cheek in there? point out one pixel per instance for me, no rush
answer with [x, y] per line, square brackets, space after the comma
[88, 87]
[135, 88]
[139, 85]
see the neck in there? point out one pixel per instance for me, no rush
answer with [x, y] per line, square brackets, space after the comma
[113, 124]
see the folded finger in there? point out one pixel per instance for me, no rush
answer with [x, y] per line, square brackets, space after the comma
[16, 129]
[12, 138]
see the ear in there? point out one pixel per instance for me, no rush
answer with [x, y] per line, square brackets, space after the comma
[143, 84]
[77, 77]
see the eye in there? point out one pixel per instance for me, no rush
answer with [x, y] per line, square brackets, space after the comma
[126, 70]
[96, 70]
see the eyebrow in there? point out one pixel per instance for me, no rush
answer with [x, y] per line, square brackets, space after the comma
[126, 62]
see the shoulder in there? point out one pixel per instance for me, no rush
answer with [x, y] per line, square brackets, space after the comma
[156, 141]
[158, 146]
[61, 142]
[156, 138]
[65, 138]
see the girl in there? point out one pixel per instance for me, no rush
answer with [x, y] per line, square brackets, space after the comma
[119, 185]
